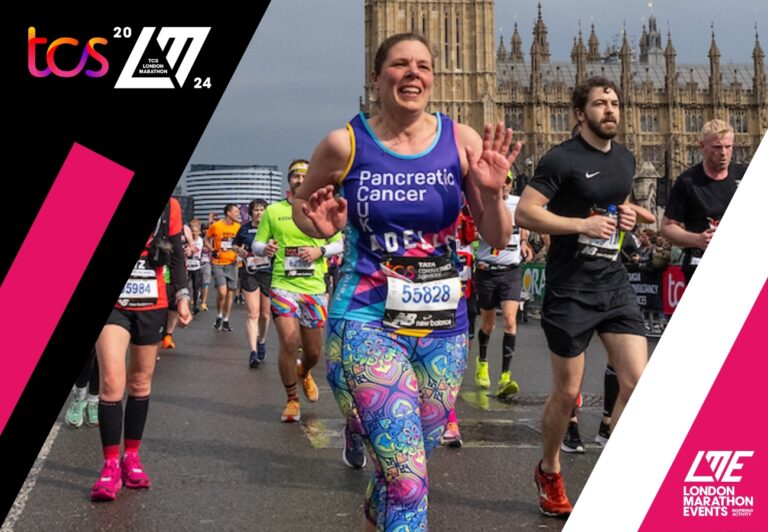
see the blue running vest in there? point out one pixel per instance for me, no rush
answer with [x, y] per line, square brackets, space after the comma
[398, 206]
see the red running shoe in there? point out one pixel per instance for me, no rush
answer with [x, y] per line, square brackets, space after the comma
[552, 498]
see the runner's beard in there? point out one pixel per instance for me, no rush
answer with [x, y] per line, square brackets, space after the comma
[597, 128]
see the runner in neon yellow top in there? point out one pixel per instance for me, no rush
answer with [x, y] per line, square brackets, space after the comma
[299, 299]
[291, 271]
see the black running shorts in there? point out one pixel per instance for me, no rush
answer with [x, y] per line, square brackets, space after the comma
[570, 317]
[495, 286]
[147, 327]
[257, 281]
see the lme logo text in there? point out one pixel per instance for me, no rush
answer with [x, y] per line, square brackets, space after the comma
[722, 465]
[89, 50]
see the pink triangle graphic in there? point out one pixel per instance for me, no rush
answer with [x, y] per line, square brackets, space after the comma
[733, 418]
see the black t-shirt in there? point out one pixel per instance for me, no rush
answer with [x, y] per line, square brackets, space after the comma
[696, 197]
[575, 177]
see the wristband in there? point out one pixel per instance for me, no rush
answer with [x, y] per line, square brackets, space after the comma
[322, 251]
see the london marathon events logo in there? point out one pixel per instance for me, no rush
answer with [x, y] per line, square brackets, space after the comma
[711, 491]
[161, 58]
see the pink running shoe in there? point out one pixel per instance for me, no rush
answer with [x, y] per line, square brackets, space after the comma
[133, 473]
[109, 483]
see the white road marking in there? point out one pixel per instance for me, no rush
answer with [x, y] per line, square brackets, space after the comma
[21, 499]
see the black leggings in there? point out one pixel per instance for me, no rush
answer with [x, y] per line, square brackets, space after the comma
[89, 375]
[196, 281]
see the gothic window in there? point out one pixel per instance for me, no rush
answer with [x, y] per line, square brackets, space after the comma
[446, 41]
[514, 118]
[738, 120]
[458, 43]
[652, 154]
[649, 121]
[694, 120]
[558, 120]
[742, 154]
[692, 155]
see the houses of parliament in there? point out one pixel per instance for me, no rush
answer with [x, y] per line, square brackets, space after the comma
[665, 104]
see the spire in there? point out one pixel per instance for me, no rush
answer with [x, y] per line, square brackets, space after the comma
[579, 57]
[501, 53]
[540, 42]
[715, 77]
[670, 80]
[625, 53]
[758, 82]
[757, 52]
[669, 50]
[714, 52]
[516, 50]
[573, 50]
[625, 49]
[644, 46]
[593, 55]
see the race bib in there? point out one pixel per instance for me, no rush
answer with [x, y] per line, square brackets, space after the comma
[141, 288]
[295, 266]
[226, 245]
[597, 247]
[253, 263]
[422, 292]
[193, 264]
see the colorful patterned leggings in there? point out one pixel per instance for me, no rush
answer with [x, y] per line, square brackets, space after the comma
[398, 391]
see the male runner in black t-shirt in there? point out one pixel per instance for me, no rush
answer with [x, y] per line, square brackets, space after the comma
[579, 196]
[701, 194]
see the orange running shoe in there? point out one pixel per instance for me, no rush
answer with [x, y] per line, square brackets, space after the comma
[552, 498]
[307, 383]
[168, 342]
[292, 411]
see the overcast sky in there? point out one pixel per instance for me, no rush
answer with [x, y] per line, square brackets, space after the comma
[302, 74]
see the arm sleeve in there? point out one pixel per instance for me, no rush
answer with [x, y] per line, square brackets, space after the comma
[264, 231]
[263, 234]
[178, 261]
[258, 247]
[334, 248]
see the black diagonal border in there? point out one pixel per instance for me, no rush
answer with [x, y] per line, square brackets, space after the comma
[151, 132]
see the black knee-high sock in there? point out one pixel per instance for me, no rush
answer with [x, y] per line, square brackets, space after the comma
[110, 427]
[93, 382]
[482, 341]
[508, 351]
[136, 409]
[610, 390]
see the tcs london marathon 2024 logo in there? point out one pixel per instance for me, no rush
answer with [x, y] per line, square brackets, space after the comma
[712, 491]
[161, 58]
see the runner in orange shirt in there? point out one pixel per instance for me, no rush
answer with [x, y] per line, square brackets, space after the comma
[219, 240]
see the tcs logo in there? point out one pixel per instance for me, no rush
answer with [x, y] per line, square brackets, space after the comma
[52, 68]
